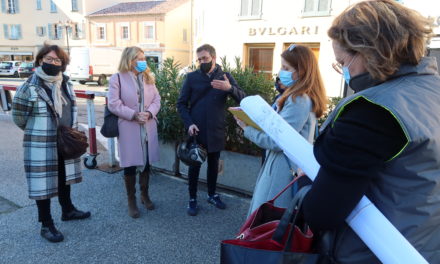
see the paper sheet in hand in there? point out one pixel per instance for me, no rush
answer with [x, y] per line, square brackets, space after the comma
[240, 114]
[384, 240]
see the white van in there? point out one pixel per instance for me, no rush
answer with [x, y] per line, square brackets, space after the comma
[93, 64]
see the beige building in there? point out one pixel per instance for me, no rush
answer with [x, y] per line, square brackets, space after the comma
[26, 24]
[160, 28]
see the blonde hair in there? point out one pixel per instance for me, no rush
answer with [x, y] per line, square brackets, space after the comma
[310, 82]
[385, 33]
[129, 54]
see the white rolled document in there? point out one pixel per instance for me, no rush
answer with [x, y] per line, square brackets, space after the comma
[383, 239]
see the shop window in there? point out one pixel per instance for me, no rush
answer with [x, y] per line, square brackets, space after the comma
[316, 8]
[260, 58]
[250, 8]
[315, 47]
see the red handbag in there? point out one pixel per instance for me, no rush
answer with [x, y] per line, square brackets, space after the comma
[261, 225]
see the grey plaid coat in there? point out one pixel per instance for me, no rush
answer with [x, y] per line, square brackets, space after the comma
[33, 112]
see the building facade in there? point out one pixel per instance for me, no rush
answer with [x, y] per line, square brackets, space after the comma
[160, 28]
[258, 31]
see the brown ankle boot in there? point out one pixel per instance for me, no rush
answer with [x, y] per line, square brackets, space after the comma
[130, 182]
[144, 182]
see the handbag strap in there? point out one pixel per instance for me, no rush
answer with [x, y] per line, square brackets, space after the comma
[285, 188]
[288, 214]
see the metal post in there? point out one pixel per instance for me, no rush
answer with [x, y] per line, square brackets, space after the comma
[92, 124]
[3, 98]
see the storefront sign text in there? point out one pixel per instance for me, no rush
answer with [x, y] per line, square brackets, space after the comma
[268, 31]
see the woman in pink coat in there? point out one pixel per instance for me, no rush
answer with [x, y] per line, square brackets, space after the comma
[134, 98]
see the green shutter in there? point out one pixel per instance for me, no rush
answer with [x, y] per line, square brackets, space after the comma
[6, 31]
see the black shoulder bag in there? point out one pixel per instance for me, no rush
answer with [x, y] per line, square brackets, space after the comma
[110, 127]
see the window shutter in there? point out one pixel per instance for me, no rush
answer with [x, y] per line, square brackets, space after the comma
[43, 31]
[59, 32]
[18, 31]
[38, 4]
[256, 8]
[6, 31]
[80, 27]
[74, 5]
[37, 29]
[16, 7]
[50, 31]
[244, 8]
[3, 6]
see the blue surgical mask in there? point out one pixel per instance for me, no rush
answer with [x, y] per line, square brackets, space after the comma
[141, 66]
[346, 74]
[346, 71]
[286, 78]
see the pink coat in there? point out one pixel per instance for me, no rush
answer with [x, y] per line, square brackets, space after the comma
[130, 149]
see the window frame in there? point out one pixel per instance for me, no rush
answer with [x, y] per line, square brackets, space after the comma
[146, 24]
[121, 28]
[11, 7]
[98, 33]
[74, 4]
[315, 12]
[53, 7]
[17, 29]
[249, 15]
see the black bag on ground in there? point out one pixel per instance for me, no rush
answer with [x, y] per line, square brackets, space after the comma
[110, 127]
[71, 142]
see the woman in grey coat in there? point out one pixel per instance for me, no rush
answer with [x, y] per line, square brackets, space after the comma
[302, 102]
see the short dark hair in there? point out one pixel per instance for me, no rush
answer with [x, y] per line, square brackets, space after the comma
[62, 55]
[207, 48]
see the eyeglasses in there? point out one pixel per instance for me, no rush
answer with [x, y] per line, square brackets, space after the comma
[291, 47]
[52, 60]
[337, 67]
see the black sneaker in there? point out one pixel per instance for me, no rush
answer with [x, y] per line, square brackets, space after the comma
[51, 234]
[193, 209]
[75, 215]
[215, 200]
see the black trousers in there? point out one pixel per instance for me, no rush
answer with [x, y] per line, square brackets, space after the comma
[212, 172]
[44, 214]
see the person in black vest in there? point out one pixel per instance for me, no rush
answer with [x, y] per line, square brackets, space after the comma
[201, 105]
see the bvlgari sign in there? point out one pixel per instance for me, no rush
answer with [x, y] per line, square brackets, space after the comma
[268, 31]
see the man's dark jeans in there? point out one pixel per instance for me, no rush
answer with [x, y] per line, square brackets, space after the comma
[212, 172]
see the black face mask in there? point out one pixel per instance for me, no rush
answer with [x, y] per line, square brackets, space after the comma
[206, 66]
[51, 69]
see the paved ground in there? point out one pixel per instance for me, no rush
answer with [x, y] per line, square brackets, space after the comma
[166, 235]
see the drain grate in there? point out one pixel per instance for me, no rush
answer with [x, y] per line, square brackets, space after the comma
[7, 206]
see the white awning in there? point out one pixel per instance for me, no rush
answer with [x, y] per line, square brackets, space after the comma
[15, 52]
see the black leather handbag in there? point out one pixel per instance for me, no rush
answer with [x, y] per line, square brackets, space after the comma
[110, 127]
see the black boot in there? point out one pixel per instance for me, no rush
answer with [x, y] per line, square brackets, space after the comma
[51, 234]
[75, 214]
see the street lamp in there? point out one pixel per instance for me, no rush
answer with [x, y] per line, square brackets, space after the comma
[66, 25]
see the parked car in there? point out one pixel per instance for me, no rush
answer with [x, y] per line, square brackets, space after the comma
[9, 68]
[25, 69]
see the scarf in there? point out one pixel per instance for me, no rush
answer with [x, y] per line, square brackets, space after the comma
[54, 84]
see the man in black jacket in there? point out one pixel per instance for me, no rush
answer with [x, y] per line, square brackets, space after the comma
[201, 105]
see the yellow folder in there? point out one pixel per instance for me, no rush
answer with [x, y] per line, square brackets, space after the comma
[240, 114]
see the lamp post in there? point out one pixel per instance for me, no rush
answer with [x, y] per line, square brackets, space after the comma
[66, 25]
